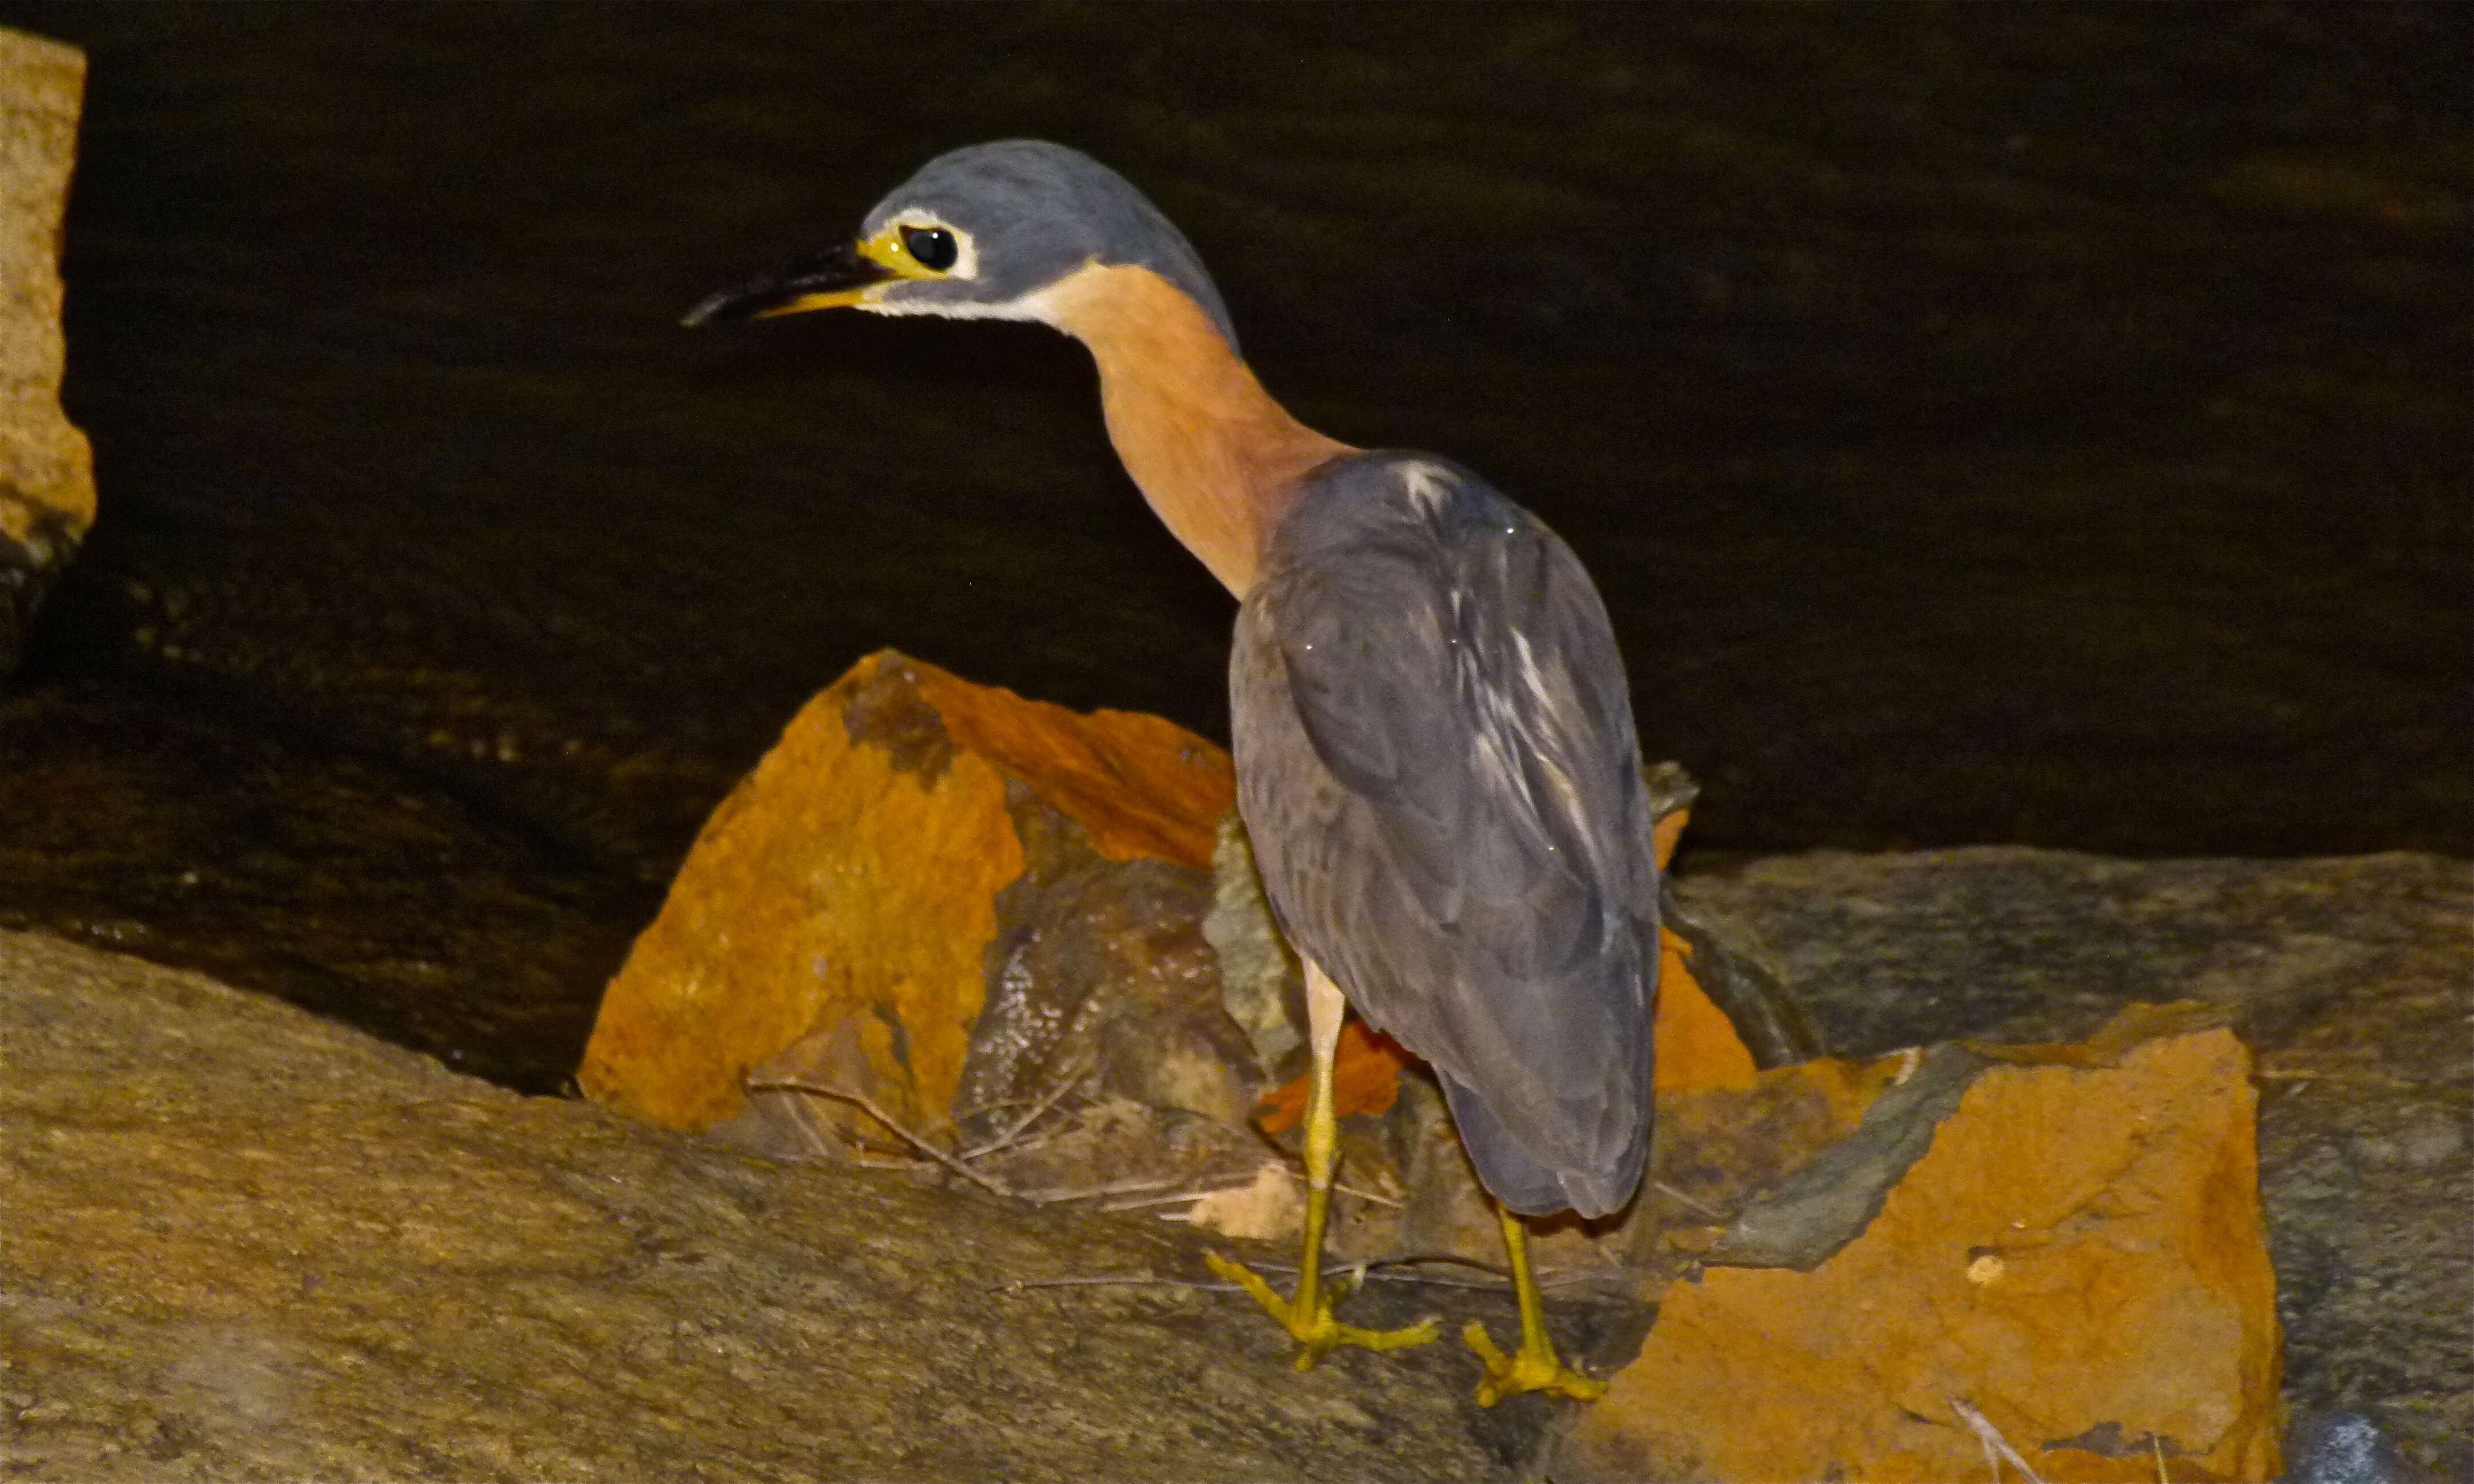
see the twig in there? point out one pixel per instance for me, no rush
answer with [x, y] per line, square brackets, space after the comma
[1405, 1260]
[1174, 1196]
[1697, 1204]
[815, 1139]
[2156, 1444]
[1064, 1085]
[966, 1114]
[1091, 1192]
[869, 1107]
[1479, 1284]
[1022, 1145]
[1994, 1441]
[1137, 1280]
[1336, 1270]
[1438, 1281]
[1377, 1271]
[1299, 1176]
[2307, 1075]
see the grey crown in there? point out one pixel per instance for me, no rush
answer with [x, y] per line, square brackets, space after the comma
[1038, 211]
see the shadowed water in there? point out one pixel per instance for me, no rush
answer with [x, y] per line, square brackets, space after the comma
[2036, 424]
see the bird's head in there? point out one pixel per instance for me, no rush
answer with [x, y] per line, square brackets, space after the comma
[983, 232]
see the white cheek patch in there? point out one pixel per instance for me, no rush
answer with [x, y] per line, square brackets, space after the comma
[1036, 307]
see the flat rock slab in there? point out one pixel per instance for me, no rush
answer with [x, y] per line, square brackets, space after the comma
[2075, 1259]
[2352, 980]
[244, 1243]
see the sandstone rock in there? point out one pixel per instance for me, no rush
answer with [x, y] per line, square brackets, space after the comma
[949, 901]
[1819, 1197]
[2077, 1256]
[1912, 946]
[1697, 1043]
[239, 1242]
[46, 469]
[932, 890]
[2352, 980]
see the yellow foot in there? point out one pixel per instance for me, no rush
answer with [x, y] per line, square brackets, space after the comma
[1530, 1367]
[1318, 1335]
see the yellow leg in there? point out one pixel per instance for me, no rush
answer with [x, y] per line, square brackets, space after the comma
[1308, 1315]
[1534, 1366]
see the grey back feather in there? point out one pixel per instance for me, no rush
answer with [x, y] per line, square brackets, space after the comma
[1437, 763]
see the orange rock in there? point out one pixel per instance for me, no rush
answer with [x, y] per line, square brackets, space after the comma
[1723, 1147]
[2077, 1255]
[1140, 785]
[845, 894]
[1697, 1045]
[1366, 1069]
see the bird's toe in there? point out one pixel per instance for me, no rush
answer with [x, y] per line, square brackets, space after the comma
[1533, 1367]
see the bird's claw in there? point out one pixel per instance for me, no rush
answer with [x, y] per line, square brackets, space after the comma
[1318, 1335]
[1530, 1367]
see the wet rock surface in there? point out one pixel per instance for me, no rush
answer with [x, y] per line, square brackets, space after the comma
[247, 1243]
[380, 895]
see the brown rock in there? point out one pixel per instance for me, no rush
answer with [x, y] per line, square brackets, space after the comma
[2352, 981]
[887, 871]
[46, 469]
[2078, 1257]
[1697, 1043]
[239, 1242]
[1737, 1156]
[1365, 1068]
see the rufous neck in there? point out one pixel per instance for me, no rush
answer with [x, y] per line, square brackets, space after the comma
[1216, 457]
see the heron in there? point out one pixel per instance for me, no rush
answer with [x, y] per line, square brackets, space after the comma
[1433, 734]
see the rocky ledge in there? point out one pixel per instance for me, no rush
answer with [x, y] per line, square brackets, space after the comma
[243, 1242]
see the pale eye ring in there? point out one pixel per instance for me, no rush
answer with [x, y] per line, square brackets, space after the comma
[934, 246]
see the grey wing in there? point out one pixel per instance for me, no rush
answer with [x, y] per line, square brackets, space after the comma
[1437, 763]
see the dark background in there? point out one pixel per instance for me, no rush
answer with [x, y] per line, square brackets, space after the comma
[2035, 423]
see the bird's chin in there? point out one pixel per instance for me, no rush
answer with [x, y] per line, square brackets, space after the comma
[893, 299]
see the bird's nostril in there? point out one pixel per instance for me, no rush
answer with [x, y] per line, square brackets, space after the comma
[830, 260]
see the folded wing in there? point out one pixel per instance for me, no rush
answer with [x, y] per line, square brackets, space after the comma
[1437, 762]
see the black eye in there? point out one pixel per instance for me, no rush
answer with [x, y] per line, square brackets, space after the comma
[932, 246]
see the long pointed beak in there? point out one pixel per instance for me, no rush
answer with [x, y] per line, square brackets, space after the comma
[829, 281]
